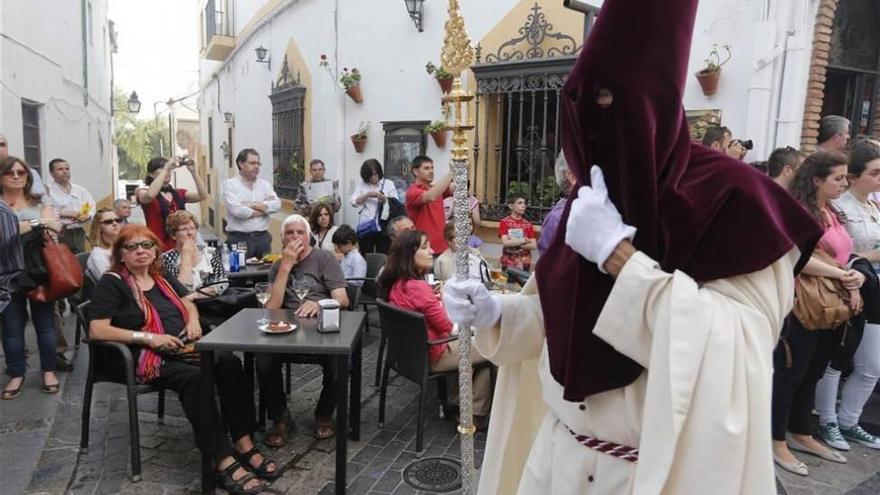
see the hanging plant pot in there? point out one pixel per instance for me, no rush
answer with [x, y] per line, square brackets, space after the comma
[354, 92]
[709, 81]
[359, 143]
[439, 138]
[445, 84]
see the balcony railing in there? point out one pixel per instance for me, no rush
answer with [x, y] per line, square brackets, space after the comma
[219, 40]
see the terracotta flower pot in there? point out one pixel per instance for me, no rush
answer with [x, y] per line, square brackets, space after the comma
[709, 81]
[439, 138]
[359, 143]
[445, 84]
[354, 92]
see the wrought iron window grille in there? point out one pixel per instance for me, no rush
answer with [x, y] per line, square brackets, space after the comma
[288, 137]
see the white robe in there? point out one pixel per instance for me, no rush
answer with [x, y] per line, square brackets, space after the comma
[700, 414]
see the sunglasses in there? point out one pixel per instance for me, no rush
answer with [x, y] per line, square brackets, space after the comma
[111, 220]
[15, 173]
[3, 144]
[134, 245]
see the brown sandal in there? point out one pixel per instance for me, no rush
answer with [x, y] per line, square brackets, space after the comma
[279, 433]
[324, 428]
[11, 393]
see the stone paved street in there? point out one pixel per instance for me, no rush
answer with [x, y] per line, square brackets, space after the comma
[40, 444]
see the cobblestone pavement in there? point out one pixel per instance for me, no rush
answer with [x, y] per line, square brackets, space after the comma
[44, 433]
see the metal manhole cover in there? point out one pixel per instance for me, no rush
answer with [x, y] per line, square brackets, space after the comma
[435, 474]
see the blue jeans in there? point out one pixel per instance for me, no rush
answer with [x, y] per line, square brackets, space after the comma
[14, 318]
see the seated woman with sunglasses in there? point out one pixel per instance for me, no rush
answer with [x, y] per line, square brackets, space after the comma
[133, 304]
[198, 268]
[104, 232]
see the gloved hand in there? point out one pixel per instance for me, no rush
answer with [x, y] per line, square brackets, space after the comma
[594, 226]
[469, 301]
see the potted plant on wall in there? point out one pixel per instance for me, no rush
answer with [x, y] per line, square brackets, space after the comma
[351, 81]
[437, 130]
[359, 139]
[444, 79]
[708, 77]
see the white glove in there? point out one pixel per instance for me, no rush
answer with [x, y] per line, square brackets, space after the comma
[594, 226]
[469, 301]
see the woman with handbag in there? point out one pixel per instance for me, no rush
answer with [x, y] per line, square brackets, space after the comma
[840, 426]
[135, 305]
[102, 235]
[806, 346]
[370, 196]
[34, 216]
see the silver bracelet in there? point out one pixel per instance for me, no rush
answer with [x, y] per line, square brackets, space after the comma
[137, 337]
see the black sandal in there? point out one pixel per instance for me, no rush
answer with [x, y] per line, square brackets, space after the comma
[262, 471]
[237, 486]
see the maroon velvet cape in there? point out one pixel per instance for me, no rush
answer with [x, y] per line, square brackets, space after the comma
[696, 210]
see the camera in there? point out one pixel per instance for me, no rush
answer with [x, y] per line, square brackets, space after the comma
[186, 161]
[745, 143]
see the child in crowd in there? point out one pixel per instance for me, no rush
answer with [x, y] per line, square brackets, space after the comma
[517, 235]
[353, 264]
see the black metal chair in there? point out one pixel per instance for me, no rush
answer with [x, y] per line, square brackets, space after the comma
[407, 336]
[98, 373]
[84, 294]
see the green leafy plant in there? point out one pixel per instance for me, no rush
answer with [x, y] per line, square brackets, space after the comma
[363, 131]
[437, 125]
[437, 71]
[714, 62]
[350, 78]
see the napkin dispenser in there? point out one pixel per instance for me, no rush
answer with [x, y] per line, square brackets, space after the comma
[329, 320]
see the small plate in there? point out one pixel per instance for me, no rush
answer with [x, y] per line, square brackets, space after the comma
[253, 261]
[265, 329]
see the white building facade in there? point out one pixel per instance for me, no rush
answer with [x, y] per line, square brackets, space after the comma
[291, 109]
[55, 87]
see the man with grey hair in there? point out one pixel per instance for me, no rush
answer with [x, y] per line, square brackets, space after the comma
[300, 263]
[565, 179]
[834, 132]
[399, 224]
[122, 208]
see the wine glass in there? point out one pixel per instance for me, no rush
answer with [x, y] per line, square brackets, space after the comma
[262, 291]
[301, 286]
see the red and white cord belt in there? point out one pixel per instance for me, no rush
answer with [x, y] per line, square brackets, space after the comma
[613, 449]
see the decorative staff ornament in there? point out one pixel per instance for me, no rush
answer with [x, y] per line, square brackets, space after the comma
[456, 57]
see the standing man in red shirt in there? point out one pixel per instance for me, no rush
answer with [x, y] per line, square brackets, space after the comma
[424, 202]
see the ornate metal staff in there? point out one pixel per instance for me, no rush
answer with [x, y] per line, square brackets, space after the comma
[457, 56]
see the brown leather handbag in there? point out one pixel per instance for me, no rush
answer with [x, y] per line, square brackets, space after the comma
[821, 303]
[65, 274]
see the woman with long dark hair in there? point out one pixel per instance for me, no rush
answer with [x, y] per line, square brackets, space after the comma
[802, 355]
[137, 306]
[16, 180]
[369, 196]
[159, 198]
[402, 282]
[103, 233]
[321, 221]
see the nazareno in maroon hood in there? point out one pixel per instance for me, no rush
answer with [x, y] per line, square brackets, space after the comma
[696, 210]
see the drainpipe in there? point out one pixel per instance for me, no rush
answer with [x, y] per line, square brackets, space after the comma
[795, 72]
[85, 50]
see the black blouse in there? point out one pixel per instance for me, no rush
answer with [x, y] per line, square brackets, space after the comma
[113, 299]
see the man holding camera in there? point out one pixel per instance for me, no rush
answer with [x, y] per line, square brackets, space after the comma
[159, 198]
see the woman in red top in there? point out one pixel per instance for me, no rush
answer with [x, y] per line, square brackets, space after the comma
[409, 260]
[517, 236]
[160, 199]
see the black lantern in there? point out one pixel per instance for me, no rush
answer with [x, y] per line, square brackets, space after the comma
[134, 104]
[262, 58]
[414, 9]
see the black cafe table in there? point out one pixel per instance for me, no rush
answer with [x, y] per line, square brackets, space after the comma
[240, 333]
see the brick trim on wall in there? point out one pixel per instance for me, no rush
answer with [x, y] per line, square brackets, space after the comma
[818, 69]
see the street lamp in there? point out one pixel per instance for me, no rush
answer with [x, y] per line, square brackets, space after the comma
[228, 117]
[134, 104]
[261, 56]
[414, 9]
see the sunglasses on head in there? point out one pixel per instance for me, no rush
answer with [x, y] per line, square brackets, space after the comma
[110, 220]
[134, 245]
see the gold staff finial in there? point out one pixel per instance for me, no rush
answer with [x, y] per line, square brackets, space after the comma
[458, 54]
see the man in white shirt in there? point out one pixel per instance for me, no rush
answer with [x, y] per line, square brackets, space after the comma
[74, 204]
[249, 201]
